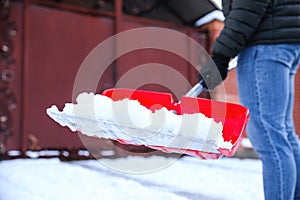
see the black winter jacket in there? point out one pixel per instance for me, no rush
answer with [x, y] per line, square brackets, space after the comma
[251, 22]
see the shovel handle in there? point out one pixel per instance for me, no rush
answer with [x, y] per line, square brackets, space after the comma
[198, 88]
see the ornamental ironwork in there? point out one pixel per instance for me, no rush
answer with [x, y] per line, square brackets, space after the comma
[7, 73]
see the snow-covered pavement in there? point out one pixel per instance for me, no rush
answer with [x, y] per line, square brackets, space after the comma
[183, 178]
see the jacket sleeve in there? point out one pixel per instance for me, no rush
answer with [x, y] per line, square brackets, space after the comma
[240, 24]
[188, 11]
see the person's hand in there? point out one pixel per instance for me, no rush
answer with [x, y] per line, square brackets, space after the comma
[213, 30]
[213, 73]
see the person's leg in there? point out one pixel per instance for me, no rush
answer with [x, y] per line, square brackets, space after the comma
[263, 88]
[290, 128]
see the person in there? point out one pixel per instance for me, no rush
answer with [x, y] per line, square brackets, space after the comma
[264, 34]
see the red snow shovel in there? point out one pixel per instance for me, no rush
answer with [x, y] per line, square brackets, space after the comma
[234, 117]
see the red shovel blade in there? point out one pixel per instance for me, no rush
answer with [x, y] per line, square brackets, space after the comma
[234, 117]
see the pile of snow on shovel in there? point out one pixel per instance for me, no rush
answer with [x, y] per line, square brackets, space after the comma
[128, 120]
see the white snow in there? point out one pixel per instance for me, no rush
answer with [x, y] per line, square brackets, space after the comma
[98, 115]
[184, 178]
[246, 143]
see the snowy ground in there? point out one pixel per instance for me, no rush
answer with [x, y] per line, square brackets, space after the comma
[183, 178]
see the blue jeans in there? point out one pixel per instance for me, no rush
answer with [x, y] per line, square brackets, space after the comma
[266, 87]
